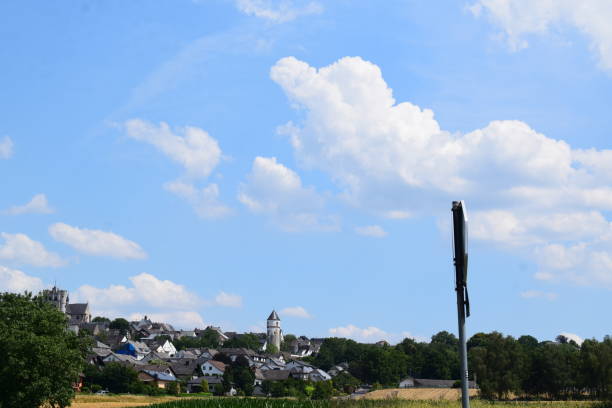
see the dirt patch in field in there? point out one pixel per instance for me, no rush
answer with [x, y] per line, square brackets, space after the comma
[451, 394]
[116, 401]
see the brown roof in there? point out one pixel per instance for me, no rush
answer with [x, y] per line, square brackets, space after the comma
[217, 364]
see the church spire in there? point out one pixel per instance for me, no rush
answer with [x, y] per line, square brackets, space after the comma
[273, 316]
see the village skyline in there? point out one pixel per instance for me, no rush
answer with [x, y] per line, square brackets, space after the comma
[204, 162]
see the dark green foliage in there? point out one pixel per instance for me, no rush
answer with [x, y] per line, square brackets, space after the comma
[100, 319]
[345, 382]
[208, 338]
[288, 388]
[114, 377]
[39, 359]
[286, 343]
[204, 386]
[386, 365]
[120, 324]
[337, 350]
[322, 390]
[173, 388]
[222, 357]
[247, 340]
[595, 361]
[271, 349]
[240, 375]
[498, 363]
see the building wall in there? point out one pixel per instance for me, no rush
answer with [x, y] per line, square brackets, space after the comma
[274, 333]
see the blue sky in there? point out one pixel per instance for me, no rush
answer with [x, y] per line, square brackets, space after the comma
[203, 162]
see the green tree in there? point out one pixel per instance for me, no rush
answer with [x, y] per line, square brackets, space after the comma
[173, 388]
[247, 340]
[286, 343]
[322, 390]
[271, 349]
[40, 358]
[208, 338]
[204, 386]
[100, 319]
[239, 374]
[120, 324]
[595, 367]
[119, 378]
[498, 363]
[345, 382]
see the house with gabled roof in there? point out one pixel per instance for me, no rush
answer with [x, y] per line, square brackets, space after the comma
[213, 368]
[136, 349]
[185, 369]
[159, 376]
[120, 358]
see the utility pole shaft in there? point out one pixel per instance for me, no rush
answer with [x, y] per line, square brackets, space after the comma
[460, 258]
[465, 396]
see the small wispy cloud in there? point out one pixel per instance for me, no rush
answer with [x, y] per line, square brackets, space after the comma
[228, 299]
[536, 294]
[37, 205]
[296, 311]
[375, 231]
[278, 11]
[6, 147]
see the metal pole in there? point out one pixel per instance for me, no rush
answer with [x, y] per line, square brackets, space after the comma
[460, 261]
[465, 396]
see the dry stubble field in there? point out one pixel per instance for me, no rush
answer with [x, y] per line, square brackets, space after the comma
[117, 401]
[394, 398]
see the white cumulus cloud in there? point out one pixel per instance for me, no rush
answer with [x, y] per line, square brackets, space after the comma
[375, 231]
[535, 195]
[6, 147]
[96, 242]
[13, 280]
[520, 18]
[572, 336]
[205, 201]
[186, 320]
[277, 191]
[147, 292]
[367, 334]
[22, 250]
[296, 311]
[196, 150]
[228, 299]
[279, 11]
[37, 205]
[159, 299]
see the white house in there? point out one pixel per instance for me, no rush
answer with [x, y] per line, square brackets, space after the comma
[167, 348]
[407, 383]
[213, 367]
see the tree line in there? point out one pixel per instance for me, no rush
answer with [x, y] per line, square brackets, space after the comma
[501, 365]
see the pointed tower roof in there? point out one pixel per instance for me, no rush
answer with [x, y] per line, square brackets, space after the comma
[273, 316]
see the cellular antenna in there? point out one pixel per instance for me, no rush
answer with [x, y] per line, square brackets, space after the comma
[460, 260]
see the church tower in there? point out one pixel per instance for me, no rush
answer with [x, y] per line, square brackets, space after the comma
[57, 297]
[275, 333]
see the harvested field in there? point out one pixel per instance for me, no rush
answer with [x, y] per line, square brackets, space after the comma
[117, 401]
[431, 394]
